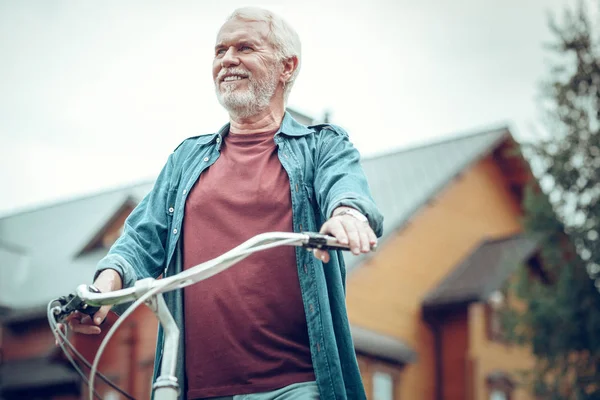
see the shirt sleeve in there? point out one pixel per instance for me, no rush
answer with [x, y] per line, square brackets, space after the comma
[340, 179]
[140, 251]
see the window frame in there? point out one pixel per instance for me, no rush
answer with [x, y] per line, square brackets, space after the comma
[393, 373]
[493, 318]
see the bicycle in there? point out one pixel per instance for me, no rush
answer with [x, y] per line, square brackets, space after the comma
[88, 300]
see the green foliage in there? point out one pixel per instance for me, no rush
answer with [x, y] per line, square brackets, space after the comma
[561, 320]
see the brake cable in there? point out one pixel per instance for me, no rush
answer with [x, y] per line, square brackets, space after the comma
[62, 307]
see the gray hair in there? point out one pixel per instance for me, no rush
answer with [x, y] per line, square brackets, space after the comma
[283, 37]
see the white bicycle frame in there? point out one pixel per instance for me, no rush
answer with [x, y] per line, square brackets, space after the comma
[148, 291]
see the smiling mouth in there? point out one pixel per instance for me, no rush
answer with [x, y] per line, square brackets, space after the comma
[233, 78]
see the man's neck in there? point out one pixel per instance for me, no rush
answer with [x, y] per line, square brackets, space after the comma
[267, 120]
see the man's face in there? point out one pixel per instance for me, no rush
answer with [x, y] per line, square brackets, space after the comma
[245, 67]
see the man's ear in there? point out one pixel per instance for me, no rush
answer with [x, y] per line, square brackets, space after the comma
[289, 66]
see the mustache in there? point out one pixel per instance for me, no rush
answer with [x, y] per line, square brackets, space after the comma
[233, 71]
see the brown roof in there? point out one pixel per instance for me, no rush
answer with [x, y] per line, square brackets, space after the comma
[482, 272]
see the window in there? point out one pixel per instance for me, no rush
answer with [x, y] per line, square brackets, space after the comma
[493, 316]
[500, 386]
[383, 386]
[497, 394]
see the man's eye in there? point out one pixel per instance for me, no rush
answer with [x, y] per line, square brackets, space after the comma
[246, 48]
[220, 52]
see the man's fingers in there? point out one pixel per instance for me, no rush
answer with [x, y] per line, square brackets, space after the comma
[60, 328]
[87, 329]
[348, 231]
[84, 326]
[335, 228]
[101, 314]
[365, 246]
[360, 234]
[353, 235]
[372, 237]
[82, 323]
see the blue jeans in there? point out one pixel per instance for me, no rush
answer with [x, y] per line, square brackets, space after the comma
[296, 391]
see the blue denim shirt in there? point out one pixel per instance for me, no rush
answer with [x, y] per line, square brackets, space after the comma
[324, 172]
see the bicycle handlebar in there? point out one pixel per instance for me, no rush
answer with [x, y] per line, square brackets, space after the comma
[88, 299]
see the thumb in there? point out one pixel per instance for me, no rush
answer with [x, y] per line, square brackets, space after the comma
[321, 255]
[101, 314]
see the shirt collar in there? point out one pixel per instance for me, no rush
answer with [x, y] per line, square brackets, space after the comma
[289, 127]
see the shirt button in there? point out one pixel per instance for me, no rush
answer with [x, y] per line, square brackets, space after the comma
[175, 231]
[171, 209]
[184, 191]
[312, 309]
[218, 140]
[205, 159]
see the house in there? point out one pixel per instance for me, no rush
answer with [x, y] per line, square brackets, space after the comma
[421, 307]
[453, 236]
[44, 254]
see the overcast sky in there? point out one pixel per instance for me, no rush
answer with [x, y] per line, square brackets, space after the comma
[95, 95]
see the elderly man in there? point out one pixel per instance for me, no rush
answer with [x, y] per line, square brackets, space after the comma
[275, 325]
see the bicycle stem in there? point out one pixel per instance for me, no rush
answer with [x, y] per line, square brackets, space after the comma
[166, 386]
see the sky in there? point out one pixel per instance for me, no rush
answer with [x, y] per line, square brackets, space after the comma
[96, 95]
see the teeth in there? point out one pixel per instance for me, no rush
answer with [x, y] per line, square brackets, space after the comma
[232, 78]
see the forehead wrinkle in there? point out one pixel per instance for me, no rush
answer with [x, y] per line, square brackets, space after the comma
[245, 34]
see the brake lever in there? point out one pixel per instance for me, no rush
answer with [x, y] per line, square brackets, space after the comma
[71, 303]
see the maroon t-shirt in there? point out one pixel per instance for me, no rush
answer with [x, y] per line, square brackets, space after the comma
[245, 328]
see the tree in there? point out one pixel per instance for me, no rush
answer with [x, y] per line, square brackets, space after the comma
[561, 317]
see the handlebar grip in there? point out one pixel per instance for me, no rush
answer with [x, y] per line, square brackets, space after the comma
[323, 242]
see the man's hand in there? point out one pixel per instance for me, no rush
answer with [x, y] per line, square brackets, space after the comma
[347, 229]
[108, 281]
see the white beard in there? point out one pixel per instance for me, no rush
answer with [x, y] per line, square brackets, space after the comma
[244, 103]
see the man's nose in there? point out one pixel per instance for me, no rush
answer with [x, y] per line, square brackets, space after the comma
[229, 58]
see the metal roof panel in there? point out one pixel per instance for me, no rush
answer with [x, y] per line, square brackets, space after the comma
[403, 181]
